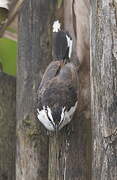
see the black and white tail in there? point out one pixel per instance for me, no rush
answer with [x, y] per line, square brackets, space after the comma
[62, 43]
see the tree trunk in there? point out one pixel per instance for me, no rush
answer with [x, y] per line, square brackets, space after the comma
[7, 127]
[104, 89]
[35, 22]
[70, 150]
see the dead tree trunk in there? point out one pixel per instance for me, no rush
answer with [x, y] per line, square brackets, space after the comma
[7, 127]
[70, 150]
[33, 57]
[104, 89]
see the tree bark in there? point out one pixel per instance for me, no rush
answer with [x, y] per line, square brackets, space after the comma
[70, 150]
[7, 127]
[104, 89]
[34, 55]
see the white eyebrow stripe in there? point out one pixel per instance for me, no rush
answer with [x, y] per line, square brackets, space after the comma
[43, 118]
[50, 114]
[71, 110]
[68, 115]
[62, 115]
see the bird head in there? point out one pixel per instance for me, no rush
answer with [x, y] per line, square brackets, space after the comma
[58, 114]
[52, 118]
[55, 118]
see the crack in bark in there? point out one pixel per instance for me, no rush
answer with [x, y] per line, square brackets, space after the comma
[110, 140]
[1, 113]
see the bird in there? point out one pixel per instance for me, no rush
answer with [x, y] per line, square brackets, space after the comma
[57, 94]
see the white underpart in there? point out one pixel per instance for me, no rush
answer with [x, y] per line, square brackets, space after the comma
[4, 4]
[56, 26]
[43, 118]
[68, 115]
[69, 42]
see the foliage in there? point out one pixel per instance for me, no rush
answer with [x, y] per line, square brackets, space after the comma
[8, 55]
[10, 29]
[59, 3]
[3, 15]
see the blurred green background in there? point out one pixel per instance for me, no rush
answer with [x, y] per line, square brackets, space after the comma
[8, 53]
[8, 45]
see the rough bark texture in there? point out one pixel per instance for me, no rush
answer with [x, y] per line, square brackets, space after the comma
[70, 150]
[7, 127]
[104, 89]
[34, 55]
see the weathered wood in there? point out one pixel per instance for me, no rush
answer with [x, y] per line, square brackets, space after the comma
[70, 149]
[7, 126]
[34, 55]
[104, 90]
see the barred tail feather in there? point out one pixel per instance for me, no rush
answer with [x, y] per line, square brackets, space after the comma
[62, 43]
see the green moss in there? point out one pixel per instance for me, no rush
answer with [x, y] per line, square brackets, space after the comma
[30, 128]
[27, 122]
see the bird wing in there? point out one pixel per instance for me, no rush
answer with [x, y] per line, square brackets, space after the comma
[50, 73]
[61, 88]
[69, 79]
[68, 73]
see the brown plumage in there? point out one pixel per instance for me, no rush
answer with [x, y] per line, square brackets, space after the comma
[58, 90]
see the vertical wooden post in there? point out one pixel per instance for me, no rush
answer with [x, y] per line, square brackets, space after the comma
[7, 126]
[34, 54]
[104, 89]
